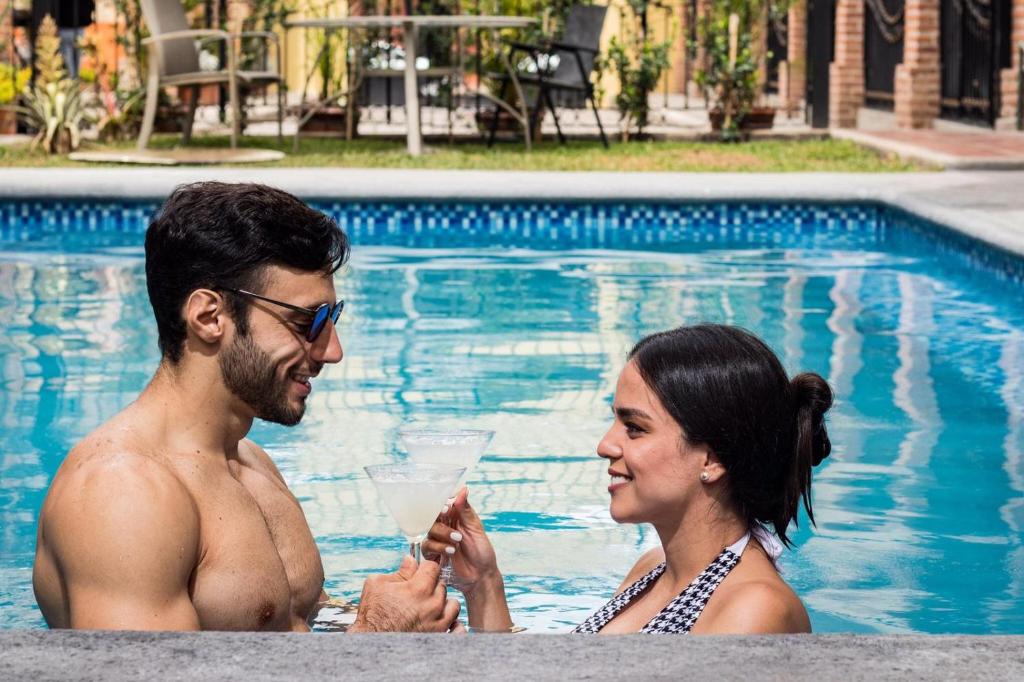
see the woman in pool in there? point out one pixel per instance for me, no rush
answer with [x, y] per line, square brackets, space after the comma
[711, 444]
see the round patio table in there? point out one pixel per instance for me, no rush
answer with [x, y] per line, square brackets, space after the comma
[410, 25]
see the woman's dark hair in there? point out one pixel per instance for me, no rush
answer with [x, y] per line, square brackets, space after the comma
[211, 235]
[727, 390]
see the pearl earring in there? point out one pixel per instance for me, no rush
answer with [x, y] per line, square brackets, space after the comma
[705, 477]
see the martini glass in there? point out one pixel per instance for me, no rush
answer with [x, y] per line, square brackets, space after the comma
[437, 446]
[415, 493]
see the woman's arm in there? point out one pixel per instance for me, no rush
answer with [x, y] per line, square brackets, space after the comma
[466, 544]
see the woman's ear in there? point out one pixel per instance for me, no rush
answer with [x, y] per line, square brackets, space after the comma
[712, 466]
[206, 316]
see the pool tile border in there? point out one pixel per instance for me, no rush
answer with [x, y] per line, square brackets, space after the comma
[565, 224]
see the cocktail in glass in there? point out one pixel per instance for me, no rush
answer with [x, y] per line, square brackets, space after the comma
[431, 445]
[414, 494]
[438, 445]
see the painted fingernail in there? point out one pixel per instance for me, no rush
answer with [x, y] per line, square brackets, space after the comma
[444, 509]
[449, 550]
[456, 536]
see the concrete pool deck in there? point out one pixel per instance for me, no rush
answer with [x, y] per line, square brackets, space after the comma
[985, 205]
[60, 655]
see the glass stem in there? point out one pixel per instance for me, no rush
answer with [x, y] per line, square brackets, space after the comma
[414, 550]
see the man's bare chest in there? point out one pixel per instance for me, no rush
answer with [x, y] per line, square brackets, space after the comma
[259, 567]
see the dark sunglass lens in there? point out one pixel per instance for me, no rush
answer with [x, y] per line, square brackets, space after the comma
[336, 313]
[319, 319]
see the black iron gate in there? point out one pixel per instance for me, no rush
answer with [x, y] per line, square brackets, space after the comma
[778, 24]
[820, 48]
[975, 39]
[883, 50]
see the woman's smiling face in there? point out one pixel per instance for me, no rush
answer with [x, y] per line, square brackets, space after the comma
[654, 471]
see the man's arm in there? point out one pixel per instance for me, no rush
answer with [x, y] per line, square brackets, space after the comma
[124, 533]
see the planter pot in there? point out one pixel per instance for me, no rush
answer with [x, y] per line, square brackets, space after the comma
[758, 118]
[169, 119]
[506, 123]
[329, 121]
[8, 121]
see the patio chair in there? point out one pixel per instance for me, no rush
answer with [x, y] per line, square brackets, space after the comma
[174, 61]
[573, 59]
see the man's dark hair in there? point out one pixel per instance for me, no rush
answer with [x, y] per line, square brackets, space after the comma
[211, 235]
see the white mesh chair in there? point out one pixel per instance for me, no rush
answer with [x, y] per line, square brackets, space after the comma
[174, 61]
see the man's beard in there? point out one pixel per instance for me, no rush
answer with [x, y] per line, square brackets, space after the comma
[249, 374]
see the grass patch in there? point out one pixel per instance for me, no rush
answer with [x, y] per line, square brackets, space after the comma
[767, 156]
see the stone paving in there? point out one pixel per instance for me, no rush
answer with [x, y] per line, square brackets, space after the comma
[975, 150]
[39, 655]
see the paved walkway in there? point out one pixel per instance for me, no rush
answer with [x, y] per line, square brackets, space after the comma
[950, 144]
[987, 206]
[62, 655]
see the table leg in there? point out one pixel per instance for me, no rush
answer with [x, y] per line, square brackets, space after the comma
[412, 101]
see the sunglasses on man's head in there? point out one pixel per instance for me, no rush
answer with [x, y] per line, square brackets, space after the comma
[320, 314]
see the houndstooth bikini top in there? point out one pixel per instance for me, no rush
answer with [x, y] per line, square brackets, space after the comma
[682, 612]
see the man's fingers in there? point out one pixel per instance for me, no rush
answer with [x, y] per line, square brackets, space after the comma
[426, 576]
[408, 568]
[451, 612]
[458, 629]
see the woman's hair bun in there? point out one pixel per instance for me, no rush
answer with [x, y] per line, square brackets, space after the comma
[812, 398]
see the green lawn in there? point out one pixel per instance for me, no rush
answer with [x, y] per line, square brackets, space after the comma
[754, 156]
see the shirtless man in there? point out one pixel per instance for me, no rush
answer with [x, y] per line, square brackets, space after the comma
[166, 517]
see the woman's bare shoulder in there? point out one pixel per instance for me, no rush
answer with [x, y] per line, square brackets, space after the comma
[758, 605]
[644, 565]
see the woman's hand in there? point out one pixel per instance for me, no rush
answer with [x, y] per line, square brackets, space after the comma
[465, 543]
[463, 540]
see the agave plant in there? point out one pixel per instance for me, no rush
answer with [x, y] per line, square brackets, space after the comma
[55, 110]
[54, 104]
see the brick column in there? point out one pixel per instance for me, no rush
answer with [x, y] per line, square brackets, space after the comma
[793, 70]
[1008, 77]
[917, 88]
[846, 72]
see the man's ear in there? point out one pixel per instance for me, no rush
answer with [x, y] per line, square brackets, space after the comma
[206, 315]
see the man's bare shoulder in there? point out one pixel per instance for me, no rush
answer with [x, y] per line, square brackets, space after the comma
[105, 483]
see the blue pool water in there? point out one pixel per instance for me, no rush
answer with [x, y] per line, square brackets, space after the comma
[517, 317]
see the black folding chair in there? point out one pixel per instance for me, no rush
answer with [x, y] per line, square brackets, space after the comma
[560, 66]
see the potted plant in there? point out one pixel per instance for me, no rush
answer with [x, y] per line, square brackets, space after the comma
[53, 106]
[638, 62]
[12, 83]
[729, 34]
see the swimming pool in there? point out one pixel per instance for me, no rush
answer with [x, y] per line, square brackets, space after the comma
[517, 317]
